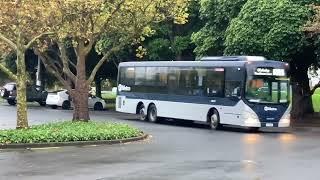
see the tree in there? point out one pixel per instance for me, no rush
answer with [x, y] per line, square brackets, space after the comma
[312, 27]
[173, 41]
[209, 40]
[109, 25]
[272, 28]
[22, 23]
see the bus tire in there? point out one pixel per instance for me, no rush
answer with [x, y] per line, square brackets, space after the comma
[141, 111]
[152, 113]
[214, 119]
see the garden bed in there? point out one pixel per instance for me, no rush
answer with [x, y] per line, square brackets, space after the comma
[69, 132]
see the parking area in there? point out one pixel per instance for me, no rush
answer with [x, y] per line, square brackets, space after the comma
[175, 150]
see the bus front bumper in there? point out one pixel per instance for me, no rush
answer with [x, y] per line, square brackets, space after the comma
[257, 123]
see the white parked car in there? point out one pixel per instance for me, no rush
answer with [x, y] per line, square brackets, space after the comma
[62, 99]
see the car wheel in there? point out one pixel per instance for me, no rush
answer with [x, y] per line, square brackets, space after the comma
[142, 113]
[98, 106]
[54, 106]
[12, 102]
[214, 120]
[42, 104]
[66, 105]
[152, 113]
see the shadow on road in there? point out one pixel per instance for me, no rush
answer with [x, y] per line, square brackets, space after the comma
[226, 128]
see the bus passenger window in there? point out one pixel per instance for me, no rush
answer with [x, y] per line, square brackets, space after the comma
[233, 88]
[214, 83]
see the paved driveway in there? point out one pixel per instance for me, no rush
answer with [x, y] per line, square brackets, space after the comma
[176, 151]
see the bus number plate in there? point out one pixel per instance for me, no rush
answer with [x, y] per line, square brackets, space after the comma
[269, 125]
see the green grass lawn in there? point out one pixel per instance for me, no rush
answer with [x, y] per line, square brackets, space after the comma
[316, 100]
[108, 95]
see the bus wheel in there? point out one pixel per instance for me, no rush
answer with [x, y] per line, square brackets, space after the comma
[142, 113]
[214, 120]
[152, 113]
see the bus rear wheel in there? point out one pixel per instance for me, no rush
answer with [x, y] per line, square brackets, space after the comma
[214, 120]
[152, 113]
[142, 113]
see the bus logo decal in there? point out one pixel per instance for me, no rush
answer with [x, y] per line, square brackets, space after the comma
[266, 108]
[123, 88]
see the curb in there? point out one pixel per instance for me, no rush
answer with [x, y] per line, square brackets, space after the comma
[72, 143]
[305, 129]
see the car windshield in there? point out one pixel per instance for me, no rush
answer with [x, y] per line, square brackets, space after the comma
[271, 90]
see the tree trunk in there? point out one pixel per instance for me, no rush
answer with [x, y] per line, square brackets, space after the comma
[301, 102]
[301, 94]
[22, 118]
[98, 87]
[80, 100]
[81, 92]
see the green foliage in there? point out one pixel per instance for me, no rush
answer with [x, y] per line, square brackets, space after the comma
[217, 14]
[180, 44]
[10, 61]
[316, 100]
[306, 2]
[268, 27]
[108, 95]
[173, 41]
[68, 132]
[159, 49]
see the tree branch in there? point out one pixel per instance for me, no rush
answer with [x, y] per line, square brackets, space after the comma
[36, 38]
[8, 72]
[65, 62]
[72, 64]
[52, 68]
[88, 47]
[8, 41]
[118, 6]
[102, 61]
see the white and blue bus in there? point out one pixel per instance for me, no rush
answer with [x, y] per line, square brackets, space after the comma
[247, 91]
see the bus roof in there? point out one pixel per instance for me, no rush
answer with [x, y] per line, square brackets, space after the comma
[223, 61]
[233, 58]
[183, 63]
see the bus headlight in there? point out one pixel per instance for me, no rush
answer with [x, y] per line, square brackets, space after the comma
[251, 119]
[285, 120]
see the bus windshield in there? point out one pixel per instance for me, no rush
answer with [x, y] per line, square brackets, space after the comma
[271, 90]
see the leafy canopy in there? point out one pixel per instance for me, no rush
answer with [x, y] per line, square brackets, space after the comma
[217, 16]
[26, 19]
[268, 27]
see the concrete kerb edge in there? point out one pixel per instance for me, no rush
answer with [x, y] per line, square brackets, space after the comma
[74, 143]
[305, 129]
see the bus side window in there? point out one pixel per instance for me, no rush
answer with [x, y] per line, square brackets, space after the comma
[233, 88]
[127, 76]
[214, 83]
[173, 80]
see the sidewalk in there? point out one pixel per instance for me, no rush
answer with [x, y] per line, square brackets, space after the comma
[308, 123]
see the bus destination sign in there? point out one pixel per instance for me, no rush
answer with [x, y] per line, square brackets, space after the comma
[269, 71]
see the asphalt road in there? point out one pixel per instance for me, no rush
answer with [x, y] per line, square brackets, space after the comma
[176, 151]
